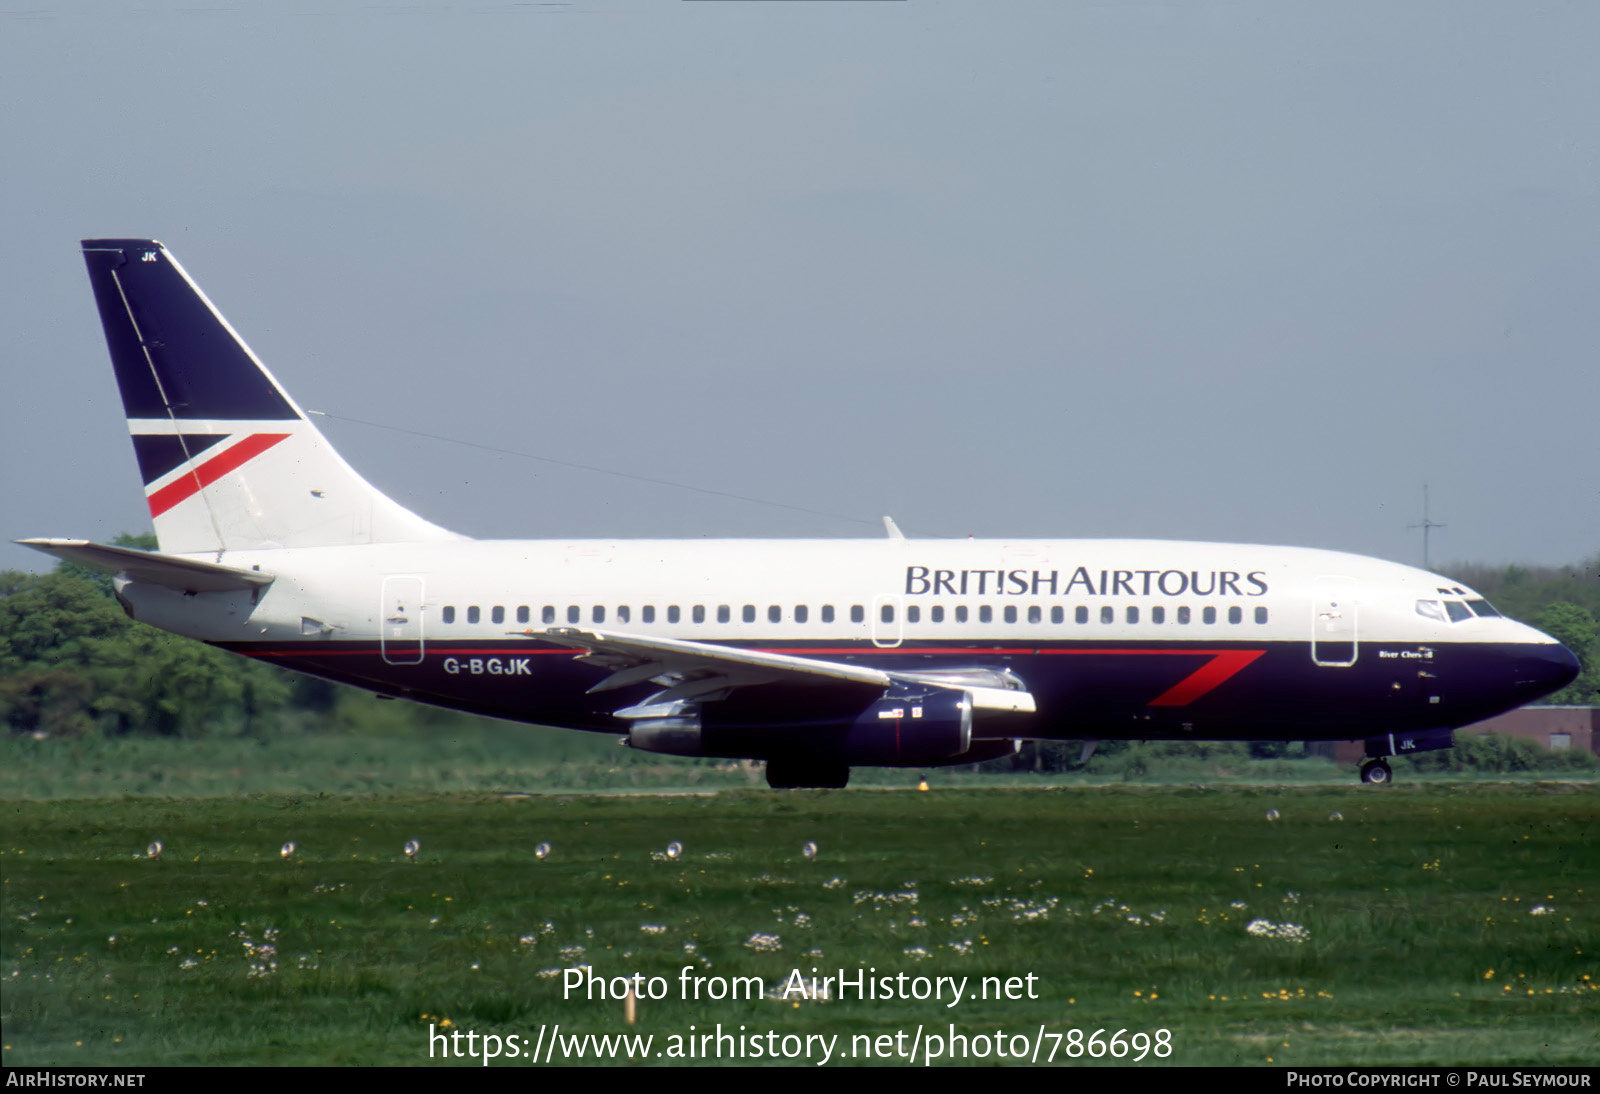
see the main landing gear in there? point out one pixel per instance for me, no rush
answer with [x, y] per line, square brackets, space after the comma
[805, 772]
[1376, 772]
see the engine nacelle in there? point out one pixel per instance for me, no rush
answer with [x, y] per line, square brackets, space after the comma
[671, 728]
[911, 724]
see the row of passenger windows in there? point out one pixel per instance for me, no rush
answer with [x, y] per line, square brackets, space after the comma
[858, 614]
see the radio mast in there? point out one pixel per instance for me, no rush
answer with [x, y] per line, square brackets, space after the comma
[1427, 526]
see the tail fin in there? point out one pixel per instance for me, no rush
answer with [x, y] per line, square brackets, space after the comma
[229, 461]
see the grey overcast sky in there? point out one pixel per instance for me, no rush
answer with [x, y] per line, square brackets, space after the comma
[1245, 271]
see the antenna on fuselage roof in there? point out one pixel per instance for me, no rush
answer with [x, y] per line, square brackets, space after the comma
[1427, 525]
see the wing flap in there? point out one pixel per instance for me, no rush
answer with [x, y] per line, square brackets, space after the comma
[685, 661]
[183, 574]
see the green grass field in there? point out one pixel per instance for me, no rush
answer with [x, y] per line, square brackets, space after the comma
[1437, 922]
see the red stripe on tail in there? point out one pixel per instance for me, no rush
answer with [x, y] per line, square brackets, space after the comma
[212, 470]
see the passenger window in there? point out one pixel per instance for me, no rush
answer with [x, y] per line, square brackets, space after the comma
[599, 614]
[472, 614]
[913, 614]
[1035, 615]
[1058, 614]
[858, 614]
[1081, 614]
[574, 614]
[801, 613]
[1209, 615]
[827, 613]
[1011, 613]
[961, 613]
[699, 613]
[673, 613]
[985, 614]
[449, 614]
[623, 614]
[1158, 614]
[497, 614]
[936, 613]
[522, 613]
[886, 613]
[647, 614]
[547, 614]
[774, 614]
[1261, 615]
[724, 613]
[1235, 615]
[1133, 614]
[749, 613]
[1183, 615]
[1108, 614]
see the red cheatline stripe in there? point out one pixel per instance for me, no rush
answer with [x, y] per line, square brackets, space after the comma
[212, 470]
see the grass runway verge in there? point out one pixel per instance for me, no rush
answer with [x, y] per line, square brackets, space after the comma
[1437, 923]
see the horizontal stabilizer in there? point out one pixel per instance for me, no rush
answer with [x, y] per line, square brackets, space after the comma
[185, 575]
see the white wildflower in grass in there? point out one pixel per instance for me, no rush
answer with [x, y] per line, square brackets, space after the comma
[1539, 909]
[963, 917]
[1238, 904]
[548, 974]
[263, 955]
[190, 963]
[764, 943]
[653, 928]
[963, 947]
[1291, 898]
[886, 900]
[572, 953]
[914, 921]
[834, 883]
[1033, 911]
[916, 953]
[973, 881]
[802, 920]
[812, 953]
[1287, 932]
[548, 928]
[528, 939]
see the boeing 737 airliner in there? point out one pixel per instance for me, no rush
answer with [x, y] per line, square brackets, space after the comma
[813, 655]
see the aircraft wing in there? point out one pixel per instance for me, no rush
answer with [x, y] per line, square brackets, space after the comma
[703, 671]
[183, 574]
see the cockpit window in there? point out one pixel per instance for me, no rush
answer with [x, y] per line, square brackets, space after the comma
[1431, 609]
[1483, 608]
[1458, 611]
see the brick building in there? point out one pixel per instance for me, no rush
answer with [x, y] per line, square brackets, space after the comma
[1556, 728]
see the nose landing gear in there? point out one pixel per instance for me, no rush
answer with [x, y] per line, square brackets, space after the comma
[1376, 772]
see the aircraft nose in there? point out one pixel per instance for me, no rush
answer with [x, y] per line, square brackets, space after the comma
[1545, 669]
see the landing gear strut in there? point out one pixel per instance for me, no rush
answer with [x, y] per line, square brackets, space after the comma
[804, 772]
[1376, 772]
